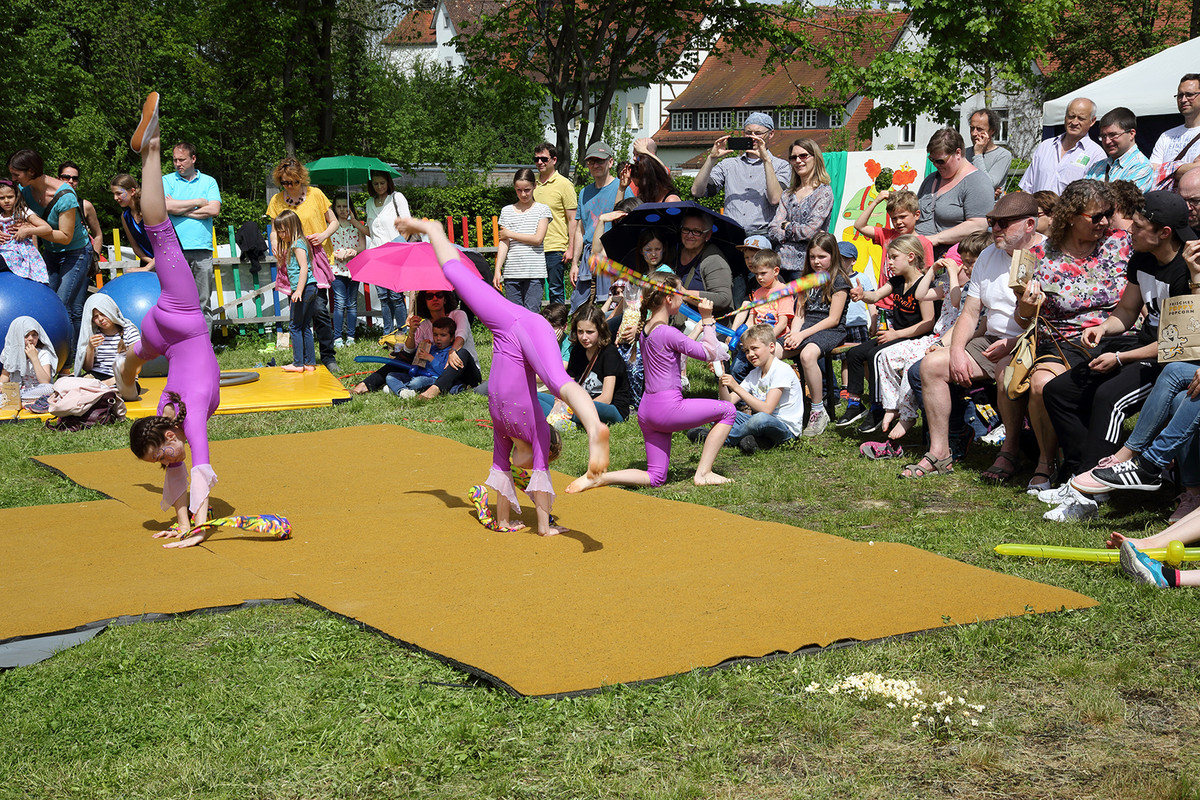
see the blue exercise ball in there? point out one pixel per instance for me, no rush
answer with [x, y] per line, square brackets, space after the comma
[135, 293]
[21, 297]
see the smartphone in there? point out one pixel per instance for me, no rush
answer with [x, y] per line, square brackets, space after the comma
[740, 143]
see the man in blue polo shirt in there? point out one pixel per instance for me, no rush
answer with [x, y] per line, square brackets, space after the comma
[193, 200]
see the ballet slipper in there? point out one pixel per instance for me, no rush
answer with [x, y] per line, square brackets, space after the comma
[147, 127]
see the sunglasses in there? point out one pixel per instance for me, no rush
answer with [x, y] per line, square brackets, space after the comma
[1000, 223]
[541, 159]
[289, 183]
[436, 295]
[1099, 216]
[62, 177]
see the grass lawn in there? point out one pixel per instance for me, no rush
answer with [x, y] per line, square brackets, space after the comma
[289, 702]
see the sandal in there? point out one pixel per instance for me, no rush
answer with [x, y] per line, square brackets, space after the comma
[1001, 473]
[878, 450]
[940, 466]
[1036, 485]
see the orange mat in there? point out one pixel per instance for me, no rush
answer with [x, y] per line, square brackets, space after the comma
[275, 390]
[641, 588]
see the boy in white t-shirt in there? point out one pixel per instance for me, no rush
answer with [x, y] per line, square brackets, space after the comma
[772, 393]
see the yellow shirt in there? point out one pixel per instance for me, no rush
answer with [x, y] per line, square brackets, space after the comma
[559, 194]
[311, 213]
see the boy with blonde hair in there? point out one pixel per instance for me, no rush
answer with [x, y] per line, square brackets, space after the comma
[771, 393]
[764, 267]
[903, 210]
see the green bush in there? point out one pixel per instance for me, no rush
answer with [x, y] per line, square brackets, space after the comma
[683, 188]
[439, 202]
[236, 211]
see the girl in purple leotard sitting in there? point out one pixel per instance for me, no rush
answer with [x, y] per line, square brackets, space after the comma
[524, 347]
[664, 409]
[174, 327]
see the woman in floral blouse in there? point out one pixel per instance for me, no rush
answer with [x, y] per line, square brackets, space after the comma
[803, 210]
[1077, 283]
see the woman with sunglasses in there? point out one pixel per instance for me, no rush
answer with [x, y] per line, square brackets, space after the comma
[1076, 285]
[955, 198]
[68, 171]
[462, 367]
[318, 222]
[803, 210]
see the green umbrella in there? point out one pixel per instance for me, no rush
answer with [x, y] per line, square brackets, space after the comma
[345, 170]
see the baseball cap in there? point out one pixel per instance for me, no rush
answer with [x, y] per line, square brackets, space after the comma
[598, 150]
[756, 242]
[1167, 209]
[848, 251]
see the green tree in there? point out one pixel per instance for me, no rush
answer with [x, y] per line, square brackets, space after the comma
[961, 49]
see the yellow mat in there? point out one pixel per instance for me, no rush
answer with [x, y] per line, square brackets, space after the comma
[275, 390]
[640, 588]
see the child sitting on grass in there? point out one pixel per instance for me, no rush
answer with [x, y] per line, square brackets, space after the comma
[434, 359]
[764, 264]
[771, 392]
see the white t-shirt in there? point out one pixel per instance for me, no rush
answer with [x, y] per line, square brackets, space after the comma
[989, 283]
[380, 218]
[462, 328]
[524, 260]
[1170, 144]
[790, 410]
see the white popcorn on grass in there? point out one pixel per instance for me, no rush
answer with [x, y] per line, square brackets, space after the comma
[940, 716]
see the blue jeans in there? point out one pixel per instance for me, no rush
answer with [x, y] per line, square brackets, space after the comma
[1167, 425]
[607, 412]
[345, 305]
[300, 319]
[391, 306]
[767, 429]
[68, 272]
[398, 381]
[525, 292]
[554, 276]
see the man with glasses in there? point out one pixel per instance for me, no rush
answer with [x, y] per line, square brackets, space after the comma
[1066, 157]
[702, 266]
[595, 199]
[556, 191]
[68, 171]
[1188, 187]
[1178, 150]
[193, 201]
[971, 358]
[1125, 161]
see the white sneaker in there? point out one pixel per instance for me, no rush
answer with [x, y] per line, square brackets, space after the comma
[349, 340]
[994, 436]
[338, 342]
[818, 421]
[406, 394]
[1054, 497]
[1077, 508]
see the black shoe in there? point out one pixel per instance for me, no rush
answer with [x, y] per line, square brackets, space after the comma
[749, 445]
[853, 413]
[1132, 474]
[696, 435]
[871, 422]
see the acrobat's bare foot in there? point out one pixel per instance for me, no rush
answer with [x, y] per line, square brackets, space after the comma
[583, 483]
[710, 479]
[553, 530]
[147, 128]
[359, 388]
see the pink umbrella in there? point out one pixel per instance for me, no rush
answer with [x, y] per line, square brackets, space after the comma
[402, 267]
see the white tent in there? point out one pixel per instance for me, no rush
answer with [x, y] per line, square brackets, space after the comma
[1147, 88]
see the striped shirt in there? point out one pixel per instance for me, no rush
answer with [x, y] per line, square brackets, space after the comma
[106, 351]
[524, 260]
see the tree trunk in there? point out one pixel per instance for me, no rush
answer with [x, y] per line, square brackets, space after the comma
[324, 50]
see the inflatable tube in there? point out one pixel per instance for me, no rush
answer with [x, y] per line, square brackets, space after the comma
[238, 378]
[1102, 554]
[401, 365]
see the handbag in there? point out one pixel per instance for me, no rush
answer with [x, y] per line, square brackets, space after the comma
[1019, 367]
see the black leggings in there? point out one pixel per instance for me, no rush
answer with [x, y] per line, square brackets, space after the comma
[860, 360]
[468, 375]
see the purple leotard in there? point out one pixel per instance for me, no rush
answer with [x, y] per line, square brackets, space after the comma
[175, 327]
[523, 347]
[663, 409]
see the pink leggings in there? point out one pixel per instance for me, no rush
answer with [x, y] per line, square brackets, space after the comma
[662, 413]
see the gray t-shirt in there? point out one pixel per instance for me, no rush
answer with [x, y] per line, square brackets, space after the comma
[994, 163]
[745, 182]
[973, 196]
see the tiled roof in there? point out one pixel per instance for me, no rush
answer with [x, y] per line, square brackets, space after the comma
[415, 29]
[732, 79]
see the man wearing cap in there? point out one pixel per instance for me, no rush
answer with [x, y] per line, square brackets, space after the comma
[1089, 407]
[595, 199]
[753, 182]
[1125, 162]
[1064, 158]
[971, 358]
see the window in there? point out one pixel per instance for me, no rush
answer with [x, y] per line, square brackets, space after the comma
[908, 133]
[681, 120]
[713, 120]
[795, 118]
[837, 119]
[1002, 134]
[741, 117]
